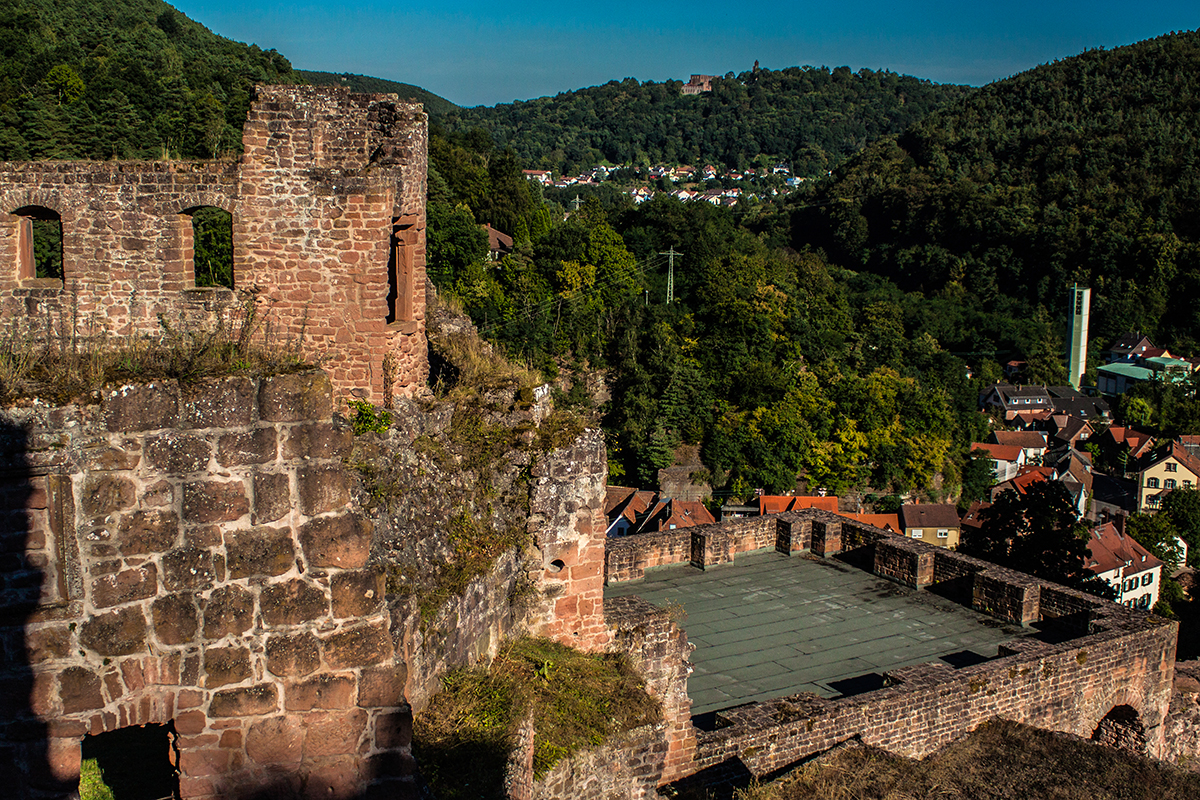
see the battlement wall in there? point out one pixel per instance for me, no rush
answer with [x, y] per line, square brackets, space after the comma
[328, 206]
[1099, 669]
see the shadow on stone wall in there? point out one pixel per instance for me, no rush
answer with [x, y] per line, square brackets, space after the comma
[25, 764]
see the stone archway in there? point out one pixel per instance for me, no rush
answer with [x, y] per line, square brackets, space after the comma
[1122, 728]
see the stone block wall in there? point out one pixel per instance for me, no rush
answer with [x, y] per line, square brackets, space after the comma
[1110, 663]
[188, 555]
[328, 238]
[568, 525]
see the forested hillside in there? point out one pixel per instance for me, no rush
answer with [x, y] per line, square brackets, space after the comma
[134, 79]
[854, 358]
[811, 117]
[1082, 170]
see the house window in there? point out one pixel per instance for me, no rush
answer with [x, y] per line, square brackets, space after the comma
[1187, 484]
[1169, 483]
[1153, 501]
[1171, 467]
[1148, 579]
[1151, 483]
[918, 533]
[943, 533]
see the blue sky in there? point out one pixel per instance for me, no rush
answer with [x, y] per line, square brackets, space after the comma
[476, 53]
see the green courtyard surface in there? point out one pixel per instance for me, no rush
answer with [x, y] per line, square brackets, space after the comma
[771, 625]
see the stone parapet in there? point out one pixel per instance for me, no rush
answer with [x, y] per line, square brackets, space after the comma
[1100, 668]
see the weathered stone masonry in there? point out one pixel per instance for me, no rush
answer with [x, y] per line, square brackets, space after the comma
[1108, 667]
[191, 555]
[328, 205]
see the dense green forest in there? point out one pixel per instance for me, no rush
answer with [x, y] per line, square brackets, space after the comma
[1081, 170]
[810, 117]
[434, 104]
[135, 79]
[844, 335]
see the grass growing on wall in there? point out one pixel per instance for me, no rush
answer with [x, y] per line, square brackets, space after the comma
[59, 366]
[464, 738]
[1000, 760]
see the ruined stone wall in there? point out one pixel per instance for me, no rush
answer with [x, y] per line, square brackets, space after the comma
[1183, 719]
[328, 205]
[1101, 656]
[188, 555]
[567, 521]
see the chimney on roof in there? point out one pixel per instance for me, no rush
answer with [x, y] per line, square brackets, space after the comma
[1119, 523]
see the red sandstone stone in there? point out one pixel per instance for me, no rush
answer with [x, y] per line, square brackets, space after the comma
[357, 593]
[358, 647]
[276, 741]
[214, 501]
[382, 687]
[259, 551]
[321, 691]
[190, 722]
[248, 701]
[293, 656]
[334, 734]
[342, 541]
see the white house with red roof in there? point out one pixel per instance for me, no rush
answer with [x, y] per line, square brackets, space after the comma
[1128, 567]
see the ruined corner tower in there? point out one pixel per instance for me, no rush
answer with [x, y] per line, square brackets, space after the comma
[328, 206]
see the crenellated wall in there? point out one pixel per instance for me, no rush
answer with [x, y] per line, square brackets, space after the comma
[328, 205]
[189, 555]
[1104, 669]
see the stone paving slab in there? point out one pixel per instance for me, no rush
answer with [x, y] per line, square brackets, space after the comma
[770, 625]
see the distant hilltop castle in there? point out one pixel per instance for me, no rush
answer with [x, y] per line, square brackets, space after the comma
[698, 84]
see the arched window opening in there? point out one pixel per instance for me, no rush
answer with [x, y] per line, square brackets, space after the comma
[140, 762]
[212, 246]
[1122, 728]
[39, 243]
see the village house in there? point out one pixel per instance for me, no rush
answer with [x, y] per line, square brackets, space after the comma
[631, 511]
[1167, 468]
[1131, 570]
[1019, 405]
[933, 523]
[1007, 459]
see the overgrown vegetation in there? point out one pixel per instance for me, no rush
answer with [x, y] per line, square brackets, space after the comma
[38, 359]
[464, 738]
[1000, 760]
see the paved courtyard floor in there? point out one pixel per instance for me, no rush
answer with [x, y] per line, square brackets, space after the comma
[771, 625]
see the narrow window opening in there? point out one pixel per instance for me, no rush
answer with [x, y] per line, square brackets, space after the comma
[212, 246]
[140, 762]
[400, 274]
[39, 243]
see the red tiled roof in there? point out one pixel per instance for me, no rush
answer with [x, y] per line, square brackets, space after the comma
[1000, 452]
[615, 495]
[886, 521]
[929, 515]
[776, 504]
[1023, 439]
[1108, 550]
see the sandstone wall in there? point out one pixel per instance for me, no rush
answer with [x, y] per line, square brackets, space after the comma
[1102, 662]
[189, 555]
[328, 205]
